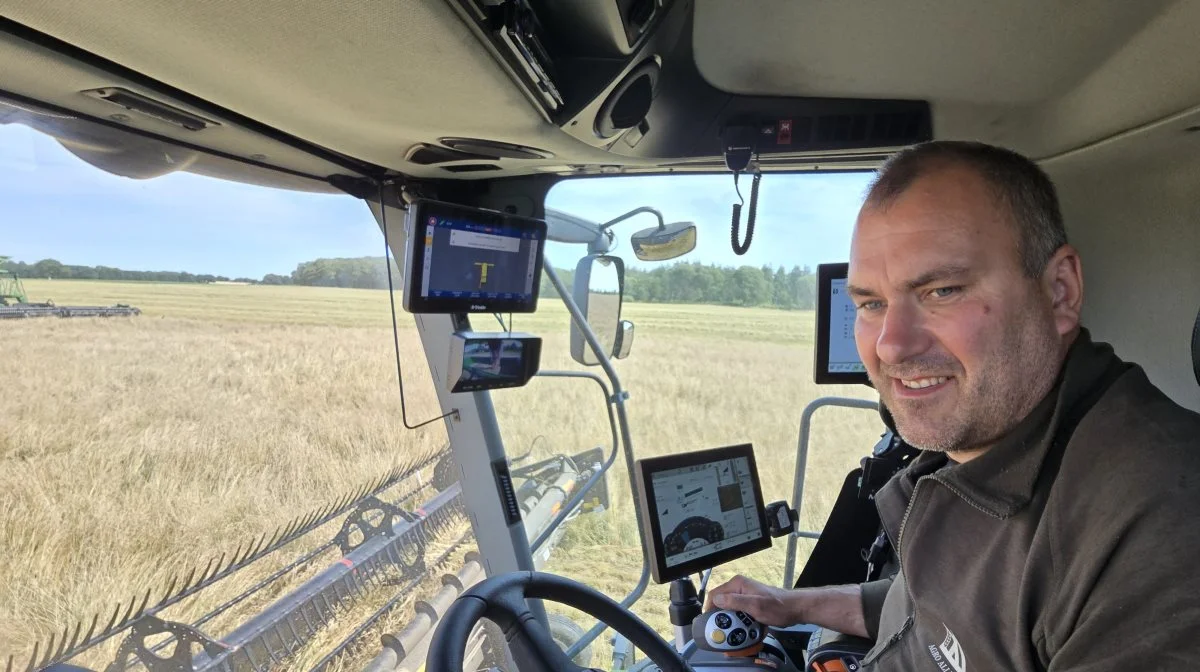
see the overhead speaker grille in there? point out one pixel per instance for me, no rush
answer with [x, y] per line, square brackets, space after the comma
[629, 103]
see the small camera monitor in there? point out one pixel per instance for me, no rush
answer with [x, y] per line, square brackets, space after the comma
[700, 509]
[470, 260]
[836, 358]
[492, 361]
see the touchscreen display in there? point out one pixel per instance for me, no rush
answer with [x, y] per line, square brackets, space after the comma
[843, 353]
[836, 357]
[705, 508]
[465, 259]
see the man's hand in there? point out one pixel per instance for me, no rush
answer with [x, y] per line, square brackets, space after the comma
[766, 604]
[838, 608]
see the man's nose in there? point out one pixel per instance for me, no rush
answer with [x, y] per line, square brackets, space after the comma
[903, 335]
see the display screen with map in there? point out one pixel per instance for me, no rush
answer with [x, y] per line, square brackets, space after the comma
[468, 260]
[837, 359]
[701, 509]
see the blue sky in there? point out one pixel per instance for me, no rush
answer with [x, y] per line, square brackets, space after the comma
[53, 205]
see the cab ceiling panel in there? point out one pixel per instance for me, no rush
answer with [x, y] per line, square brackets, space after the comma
[1041, 76]
[620, 76]
[119, 125]
[369, 79]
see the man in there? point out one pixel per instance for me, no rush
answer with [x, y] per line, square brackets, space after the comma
[1052, 521]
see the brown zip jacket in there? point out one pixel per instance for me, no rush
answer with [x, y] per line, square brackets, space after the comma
[1057, 549]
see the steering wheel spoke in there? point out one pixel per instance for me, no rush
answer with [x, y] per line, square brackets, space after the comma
[531, 643]
[502, 600]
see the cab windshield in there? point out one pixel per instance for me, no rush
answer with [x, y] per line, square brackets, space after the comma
[204, 451]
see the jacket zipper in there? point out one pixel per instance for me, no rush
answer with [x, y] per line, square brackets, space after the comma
[912, 500]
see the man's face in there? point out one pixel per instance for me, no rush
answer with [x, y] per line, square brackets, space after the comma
[960, 344]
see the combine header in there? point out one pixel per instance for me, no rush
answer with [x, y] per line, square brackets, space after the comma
[14, 303]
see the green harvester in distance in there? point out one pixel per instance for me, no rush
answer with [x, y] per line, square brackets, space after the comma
[14, 303]
[11, 289]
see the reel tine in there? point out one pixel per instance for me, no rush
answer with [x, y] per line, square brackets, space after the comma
[92, 627]
[275, 536]
[240, 554]
[254, 547]
[75, 637]
[112, 621]
[62, 642]
[204, 574]
[9, 668]
[49, 651]
[145, 600]
[128, 613]
[33, 659]
[170, 589]
[291, 527]
[187, 583]
[217, 567]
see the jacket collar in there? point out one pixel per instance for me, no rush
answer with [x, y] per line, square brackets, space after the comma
[1002, 480]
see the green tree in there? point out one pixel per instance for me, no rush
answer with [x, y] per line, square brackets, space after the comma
[749, 287]
[48, 268]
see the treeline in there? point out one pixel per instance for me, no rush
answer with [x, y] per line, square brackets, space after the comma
[54, 269]
[357, 272]
[722, 285]
[678, 283]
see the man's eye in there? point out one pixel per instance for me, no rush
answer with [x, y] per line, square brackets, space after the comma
[944, 292]
[870, 305]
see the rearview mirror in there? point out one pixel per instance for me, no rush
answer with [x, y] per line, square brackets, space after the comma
[660, 243]
[624, 340]
[599, 288]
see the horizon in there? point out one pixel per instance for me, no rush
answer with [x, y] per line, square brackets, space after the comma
[189, 223]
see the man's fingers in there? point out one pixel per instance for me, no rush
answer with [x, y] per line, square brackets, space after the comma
[738, 602]
[734, 586]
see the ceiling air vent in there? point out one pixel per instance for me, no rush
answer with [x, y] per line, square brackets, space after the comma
[471, 167]
[427, 155]
[495, 148]
[136, 102]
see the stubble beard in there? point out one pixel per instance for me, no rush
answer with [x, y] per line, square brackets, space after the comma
[1016, 374]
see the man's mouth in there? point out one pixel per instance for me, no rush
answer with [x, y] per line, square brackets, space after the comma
[921, 383]
[910, 387]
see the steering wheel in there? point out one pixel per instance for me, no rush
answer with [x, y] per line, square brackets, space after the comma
[501, 599]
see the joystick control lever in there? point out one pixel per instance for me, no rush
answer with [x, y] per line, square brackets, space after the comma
[733, 633]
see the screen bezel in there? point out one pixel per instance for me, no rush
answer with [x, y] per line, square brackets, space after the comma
[418, 211]
[644, 471]
[826, 274]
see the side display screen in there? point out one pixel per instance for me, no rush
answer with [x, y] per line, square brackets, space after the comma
[491, 361]
[701, 509]
[468, 260]
[837, 359]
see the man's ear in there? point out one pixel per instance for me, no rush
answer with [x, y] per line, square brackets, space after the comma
[1062, 281]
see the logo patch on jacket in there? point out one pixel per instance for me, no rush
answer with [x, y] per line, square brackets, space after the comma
[949, 655]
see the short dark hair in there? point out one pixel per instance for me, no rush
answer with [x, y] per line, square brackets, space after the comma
[1017, 183]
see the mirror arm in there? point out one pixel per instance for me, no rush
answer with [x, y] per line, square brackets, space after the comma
[662, 224]
[618, 398]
